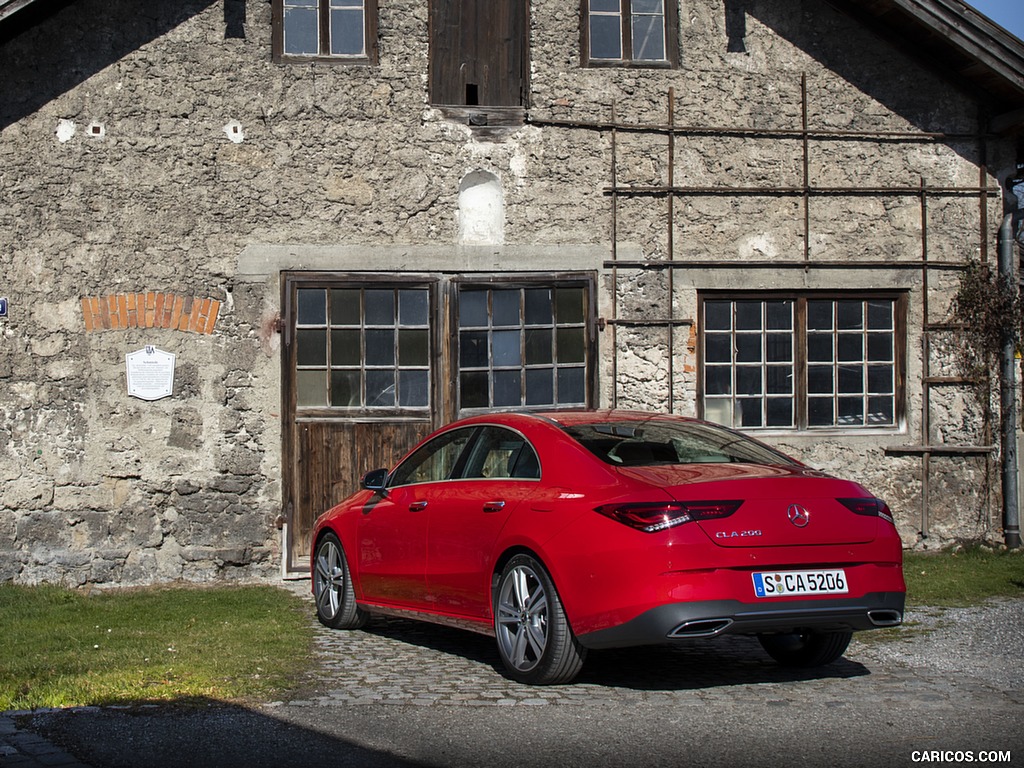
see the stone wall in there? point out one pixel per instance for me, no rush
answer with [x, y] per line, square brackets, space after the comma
[142, 151]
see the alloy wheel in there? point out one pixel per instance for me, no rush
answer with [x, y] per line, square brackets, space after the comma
[522, 620]
[330, 579]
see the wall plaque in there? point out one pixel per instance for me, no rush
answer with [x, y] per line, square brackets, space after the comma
[150, 373]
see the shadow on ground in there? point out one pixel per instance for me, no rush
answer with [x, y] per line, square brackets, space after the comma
[688, 665]
[199, 733]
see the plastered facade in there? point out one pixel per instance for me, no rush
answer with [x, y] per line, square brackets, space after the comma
[143, 151]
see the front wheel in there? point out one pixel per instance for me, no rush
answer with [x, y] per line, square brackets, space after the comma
[806, 649]
[535, 641]
[333, 593]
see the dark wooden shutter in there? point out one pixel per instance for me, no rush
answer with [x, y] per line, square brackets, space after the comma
[478, 52]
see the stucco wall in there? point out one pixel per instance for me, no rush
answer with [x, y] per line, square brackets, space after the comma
[143, 151]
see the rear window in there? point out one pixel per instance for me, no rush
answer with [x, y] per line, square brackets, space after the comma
[654, 443]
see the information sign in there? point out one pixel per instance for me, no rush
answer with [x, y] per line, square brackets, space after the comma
[150, 373]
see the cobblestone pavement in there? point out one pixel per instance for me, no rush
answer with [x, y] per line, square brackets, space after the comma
[400, 693]
[937, 652]
[402, 662]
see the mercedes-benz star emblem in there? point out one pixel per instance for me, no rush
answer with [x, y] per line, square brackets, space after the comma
[798, 516]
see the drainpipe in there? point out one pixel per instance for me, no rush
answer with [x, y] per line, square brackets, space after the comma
[1008, 381]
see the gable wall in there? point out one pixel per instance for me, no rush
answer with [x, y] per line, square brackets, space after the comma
[147, 154]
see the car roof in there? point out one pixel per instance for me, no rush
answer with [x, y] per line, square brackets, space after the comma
[569, 418]
[575, 418]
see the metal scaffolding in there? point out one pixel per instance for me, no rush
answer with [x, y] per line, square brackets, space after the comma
[926, 448]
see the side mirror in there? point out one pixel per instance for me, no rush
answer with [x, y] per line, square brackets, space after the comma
[376, 481]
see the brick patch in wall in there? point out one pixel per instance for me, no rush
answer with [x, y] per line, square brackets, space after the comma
[149, 310]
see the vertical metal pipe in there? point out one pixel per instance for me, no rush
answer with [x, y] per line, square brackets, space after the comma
[671, 248]
[1008, 397]
[615, 257]
[926, 372]
[806, 149]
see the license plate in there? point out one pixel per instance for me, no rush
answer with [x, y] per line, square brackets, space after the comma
[797, 583]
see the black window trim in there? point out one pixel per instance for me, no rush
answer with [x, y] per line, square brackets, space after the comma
[370, 17]
[900, 301]
[445, 438]
[671, 39]
[460, 467]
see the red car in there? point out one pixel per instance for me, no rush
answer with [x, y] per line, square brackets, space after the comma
[564, 531]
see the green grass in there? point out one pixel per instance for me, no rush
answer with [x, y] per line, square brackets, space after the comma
[60, 647]
[965, 577]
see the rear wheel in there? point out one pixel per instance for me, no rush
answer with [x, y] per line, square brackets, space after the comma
[806, 649]
[333, 592]
[535, 641]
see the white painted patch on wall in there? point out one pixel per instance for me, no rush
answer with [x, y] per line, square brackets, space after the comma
[758, 246]
[65, 130]
[517, 164]
[234, 132]
[481, 210]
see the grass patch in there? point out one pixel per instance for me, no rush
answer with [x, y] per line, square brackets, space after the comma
[964, 577]
[62, 647]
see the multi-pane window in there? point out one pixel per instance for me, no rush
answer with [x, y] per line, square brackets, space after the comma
[342, 29]
[522, 346]
[802, 362]
[629, 31]
[851, 365]
[749, 363]
[363, 348]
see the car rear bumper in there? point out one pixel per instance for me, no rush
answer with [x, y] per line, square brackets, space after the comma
[680, 621]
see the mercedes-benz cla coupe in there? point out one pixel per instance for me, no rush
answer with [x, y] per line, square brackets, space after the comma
[565, 531]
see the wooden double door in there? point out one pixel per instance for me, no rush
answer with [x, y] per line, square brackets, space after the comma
[373, 363]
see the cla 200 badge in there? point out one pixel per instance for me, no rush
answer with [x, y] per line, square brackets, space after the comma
[736, 534]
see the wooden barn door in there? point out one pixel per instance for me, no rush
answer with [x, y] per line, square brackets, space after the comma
[479, 52]
[359, 388]
[371, 364]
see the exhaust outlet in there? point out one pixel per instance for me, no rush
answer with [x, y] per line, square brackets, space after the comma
[885, 618]
[701, 628]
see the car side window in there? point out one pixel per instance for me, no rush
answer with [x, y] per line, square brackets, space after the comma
[501, 453]
[435, 461]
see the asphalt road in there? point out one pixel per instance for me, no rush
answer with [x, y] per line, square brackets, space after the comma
[947, 689]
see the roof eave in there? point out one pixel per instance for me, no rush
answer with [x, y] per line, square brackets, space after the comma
[7, 7]
[980, 37]
[969, 47]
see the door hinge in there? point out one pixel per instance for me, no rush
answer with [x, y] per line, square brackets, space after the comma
[281, 520]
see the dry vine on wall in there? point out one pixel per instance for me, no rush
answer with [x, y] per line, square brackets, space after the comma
[988, 308]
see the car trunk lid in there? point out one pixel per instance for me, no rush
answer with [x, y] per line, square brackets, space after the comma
[782, 506]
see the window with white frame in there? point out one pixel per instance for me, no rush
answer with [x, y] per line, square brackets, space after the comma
[802, 362]
[339, 30]
[629, 32]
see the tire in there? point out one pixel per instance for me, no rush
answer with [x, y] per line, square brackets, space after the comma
[333, 592]
[535, 642]
[806, 649]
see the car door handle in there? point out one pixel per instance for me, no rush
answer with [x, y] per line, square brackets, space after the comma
[494, 506]
[417, 506]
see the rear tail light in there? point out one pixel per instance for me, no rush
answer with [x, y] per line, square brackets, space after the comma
[868, 508]
[658, 516]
